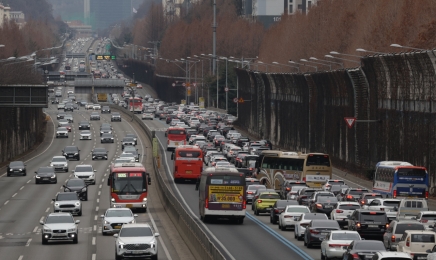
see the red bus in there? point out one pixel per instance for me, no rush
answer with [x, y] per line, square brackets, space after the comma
[176, 136]
[135, 105]
[128, 186]
[188, 162]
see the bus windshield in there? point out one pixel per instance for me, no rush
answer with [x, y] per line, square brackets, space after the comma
[318, 159]
[283, 163]
[128, 183]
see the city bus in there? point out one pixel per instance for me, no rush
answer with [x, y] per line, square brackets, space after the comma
[222, 194]
[97, 74]
[135, 105]
[274, 167]
[401, 180]
[188, 162]
[175, 136]
[128, 184]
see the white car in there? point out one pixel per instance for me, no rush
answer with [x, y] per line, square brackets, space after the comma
[428, 218]
[342, 210]
[89, 106]
[335, 244]
[303, 221]
[174, 122]
[293, 193]
[396, 255]
[62, 132]
[85, 172]
[115, 218]
[147, 116]
[127, 156]
[61, 106]
[138, 240]
[96, 107]
[290, 215]
[59, 163]
[222, 164]
[85, 135]
[329, 183]
[386, 205]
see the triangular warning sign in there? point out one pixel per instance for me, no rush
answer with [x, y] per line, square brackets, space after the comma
[241, 100]
[350, 121]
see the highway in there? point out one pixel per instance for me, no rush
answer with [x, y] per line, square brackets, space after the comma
[23, 203]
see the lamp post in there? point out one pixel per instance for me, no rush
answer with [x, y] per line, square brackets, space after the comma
[406, 47]
[341, 64]
[294, 67]
[332, 57]
[345, 54]
[195, 77]
[330, 66]
[376, 52]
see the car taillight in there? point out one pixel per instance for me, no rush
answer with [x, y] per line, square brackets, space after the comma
[287, 216]
[249, 192]
[176, 169]
[304, 178]
[338, 245]
[206, 204]
[355, 256]
[304, 225]
[244, 204]
[314, 231]
[259, 201]
[287, 188]
[426, 194]
[276, 211]
[339, 211]
[362, 202]
[395, 194]
[349, 197]
[392, 238]
[387, 225]
[168, 141]
[319, 206]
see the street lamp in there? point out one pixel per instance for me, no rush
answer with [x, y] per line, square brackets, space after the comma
[293, 62]
[406, 47]
[376, 52]
[294, 67]
[341, 64]
[332, 57]
[351, 55]
[2, 45]
[330, 66]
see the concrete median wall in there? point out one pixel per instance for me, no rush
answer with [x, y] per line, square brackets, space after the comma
[305, 112]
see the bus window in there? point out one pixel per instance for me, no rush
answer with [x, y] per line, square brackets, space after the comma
[318, 159]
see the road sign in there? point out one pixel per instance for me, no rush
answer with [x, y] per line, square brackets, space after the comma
[174, 84]
[189, 91]
[105, 57]
[235, 100]
[350, 121]
[188, 84]
[226, 89]
[241, 100]
[194, 84]
[184, 84]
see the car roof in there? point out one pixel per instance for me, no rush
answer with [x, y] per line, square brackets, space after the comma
[118, 209]
[393, 254]
[60, 214]
[420, 231]
[136, 225]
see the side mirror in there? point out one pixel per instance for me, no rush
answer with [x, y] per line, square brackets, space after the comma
[156, 234]
[77, 221]
[41, 222]
[72, 171]
[428, 251]
[135, 215]
[95, 170]
[53, 199]
[35, 172]
[101, 216]
[115, 235]
[197, 184]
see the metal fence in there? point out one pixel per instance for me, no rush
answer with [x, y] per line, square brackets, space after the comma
[196, 239]
[305, 112]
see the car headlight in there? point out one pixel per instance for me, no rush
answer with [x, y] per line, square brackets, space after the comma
[144, 199]
[65, 154]
[101, 132]
[112, 200]
[54, 176]
[56, 204]
[77, 204]
[76, 153]
[105, 156]
[152, 244]
[132, 222]
[112, 138]
[47, 230]
[72, 230]
[11, 170]
[93, 156]
[37, 177]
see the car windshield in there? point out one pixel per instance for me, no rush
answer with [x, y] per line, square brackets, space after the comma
[67, 196]
[85, 132]
[45, 170]
[136, 232]
[255, 187]
[391, 203]
[106, 135]
[84, 123]
[119, 213]
[70, 149]
[128, 139]
[373, 217]
[345, 236]
[297, 209]
[270, 196]
[59, 159]
[349, 206]
[75, 183]
[423, 238]
[16, 164]
[325, 223]
[370, 245]
[400, 228]
[315, 216]
[372, 196]
[327, 199]
[59, 219]
[100, 150]
[429, 217]
[62, 129]
[357, 192]
[83, 169]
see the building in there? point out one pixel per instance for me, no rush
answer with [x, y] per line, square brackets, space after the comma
[101, 14]
[173, 8]
[81, 29]
[18, 18]
[4, 14]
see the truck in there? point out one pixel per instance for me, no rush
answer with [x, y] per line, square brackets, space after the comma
[102, 97]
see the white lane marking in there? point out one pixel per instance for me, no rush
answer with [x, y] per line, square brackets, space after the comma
[6, 202]
[21, 257]
[98, 200]
[3, 174]
[190, 210]
[95, 227]
[95, 218]
[28, 242]
[102, 180]
[96, 208]
[93, 241]
[99, 192]
[14, 195]
[94, 256]
[99, 186]
[47, 210]
[167, 253]
[28, 181]
[41, 219]
[22, 188]
[35, 229]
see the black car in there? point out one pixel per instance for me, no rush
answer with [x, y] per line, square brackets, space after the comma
[105, 130]
[135, 138]
[305, 194]
[324, 205]
[99, 153]
[369, 223]
[60, 116]
[115, 117]
[363, 249]
[94, 116]
[127, 141]
[77, 185]
[277, 209]
[84, 125]
[55, 101]
[318, 229]
[336, 189]
[69, 107]
[241, 140]
[190, 132]
[106, 138]
[45, 175]
[71, 152]
[170, 118]
[105, 109]
[16, 167]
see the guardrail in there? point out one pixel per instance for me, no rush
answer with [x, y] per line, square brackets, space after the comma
[196, 239]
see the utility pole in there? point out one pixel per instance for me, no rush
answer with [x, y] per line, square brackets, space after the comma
[214, 26]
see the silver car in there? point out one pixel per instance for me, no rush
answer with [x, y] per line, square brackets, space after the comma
[67, 202]
[136, 241]
[85, 135]
[59, 163]
[115, 218]
[59, 226]
[85, 172]
[62, 132]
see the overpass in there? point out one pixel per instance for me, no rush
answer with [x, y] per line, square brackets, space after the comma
[91, 86]
[68, 76]
[24, 96]
[81, 55]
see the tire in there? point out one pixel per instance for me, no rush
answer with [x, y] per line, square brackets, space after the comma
[25, 174]
[78, 158]
[80, 213]
[117, 257]
[36, 182]
[86, 197]
[256, 212]
[295, 235]
[76, 239]
[274, 221]
[66, 170]
[322, 256]
[154, 257]
[8, 175]
[305, 244]
[44, 241]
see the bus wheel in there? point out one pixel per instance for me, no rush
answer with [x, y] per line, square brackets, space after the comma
[205, 219]
[240, 221]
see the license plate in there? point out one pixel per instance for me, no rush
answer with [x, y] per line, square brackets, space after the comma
[117, 227]
[373, 226]
[118, 206]
[45, 179]
[225, 206]
[129, 205]
[136, 252]
[268, 208]
[70, 156]
[188, 172]
[324, 234]
[328, 207]
[177, 143]
[58, 235]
